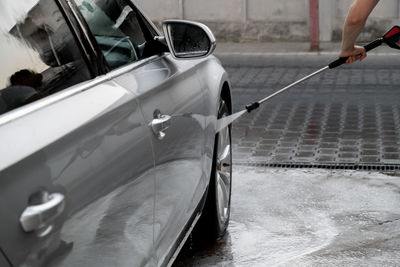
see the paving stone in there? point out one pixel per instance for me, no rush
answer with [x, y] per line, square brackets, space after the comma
[244, 150]
[309, 142]
[289, 140]
[293, 128]
[370, 153]
[370, 146]
[287, 144]
[390, 149]
[348, 155]
[329, 145]
[270, 135]
[241, 156]
[349, 149]
[330, 135]
[284, 151]
[390, 156]
[325, 159]
[247, 144]
[260, 153]
[330, 140]
[265, 147]
[308, 154]
[310, 137]
[291, 135]
[327, 151]
[349, 143]
[370, 160]
[269, 141]
[281, 158]
[306, 148]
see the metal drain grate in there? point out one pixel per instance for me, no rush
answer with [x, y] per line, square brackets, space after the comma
[358, 167]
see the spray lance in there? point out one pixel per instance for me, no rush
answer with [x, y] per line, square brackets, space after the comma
[391, 38]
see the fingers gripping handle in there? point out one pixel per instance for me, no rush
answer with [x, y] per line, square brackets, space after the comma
[368, 48]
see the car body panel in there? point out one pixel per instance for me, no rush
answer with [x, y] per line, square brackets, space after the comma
[72, 157]
[130, 196]
[213, 78]
[173, 88]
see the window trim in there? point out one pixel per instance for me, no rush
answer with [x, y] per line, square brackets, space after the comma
[89, 55]
[146, 18]
[89, 35]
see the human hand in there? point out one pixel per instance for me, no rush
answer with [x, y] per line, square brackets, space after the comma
[354, 54]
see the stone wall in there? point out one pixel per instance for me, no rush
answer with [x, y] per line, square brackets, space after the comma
[270, 20]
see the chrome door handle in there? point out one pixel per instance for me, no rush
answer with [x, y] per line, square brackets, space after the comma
[160, 124]
[39, 216]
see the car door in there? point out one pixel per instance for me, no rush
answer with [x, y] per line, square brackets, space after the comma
[77, 186]
[170, 93]
[171, 99]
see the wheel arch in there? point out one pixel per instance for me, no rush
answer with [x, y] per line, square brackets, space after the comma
[226, 95]
[216, 80]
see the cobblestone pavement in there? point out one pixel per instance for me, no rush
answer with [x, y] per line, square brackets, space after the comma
[346, 116]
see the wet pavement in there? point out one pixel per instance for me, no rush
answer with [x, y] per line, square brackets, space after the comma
[312, 217]
[308, 218]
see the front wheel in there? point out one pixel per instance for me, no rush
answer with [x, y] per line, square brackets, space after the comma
[216, 213]
[223, 173]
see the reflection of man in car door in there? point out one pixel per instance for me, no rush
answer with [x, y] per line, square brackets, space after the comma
[25, 88]
[45, 46]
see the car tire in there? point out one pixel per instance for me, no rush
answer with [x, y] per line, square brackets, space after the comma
[216, 212]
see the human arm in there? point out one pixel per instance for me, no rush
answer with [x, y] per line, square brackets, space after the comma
[354, 24]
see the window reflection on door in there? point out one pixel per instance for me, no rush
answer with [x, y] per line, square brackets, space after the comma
[117, 30]
[39, 55]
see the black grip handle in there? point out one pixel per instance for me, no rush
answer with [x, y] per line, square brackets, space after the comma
[367, 48]
[338, 62]
[374, 44]
[252, 107]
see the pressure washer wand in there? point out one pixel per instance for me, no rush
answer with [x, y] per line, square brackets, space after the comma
[256, 105]
[333, 65]
[391, 38]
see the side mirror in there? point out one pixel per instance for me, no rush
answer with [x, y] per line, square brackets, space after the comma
[187, 39]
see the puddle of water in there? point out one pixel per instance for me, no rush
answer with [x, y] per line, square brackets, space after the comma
[308, 217]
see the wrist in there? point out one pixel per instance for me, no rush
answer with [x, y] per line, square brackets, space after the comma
[348, 48]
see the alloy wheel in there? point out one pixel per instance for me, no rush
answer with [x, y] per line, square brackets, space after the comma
[224, 171]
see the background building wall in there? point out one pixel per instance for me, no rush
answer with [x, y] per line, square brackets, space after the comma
[270, 20]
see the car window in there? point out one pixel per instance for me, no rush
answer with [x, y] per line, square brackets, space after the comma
[117, 29]
[39, 56]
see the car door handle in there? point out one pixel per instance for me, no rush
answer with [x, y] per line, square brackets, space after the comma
[160, 124]
[39, 216]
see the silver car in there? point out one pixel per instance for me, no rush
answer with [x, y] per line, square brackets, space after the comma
[109, 151]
